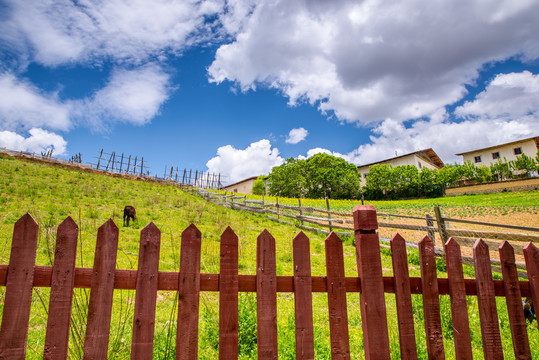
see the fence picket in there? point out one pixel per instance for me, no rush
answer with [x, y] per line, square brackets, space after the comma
[18, 296]
[61, 295]
[517, 322]
[146, 294]
[372, 299]
[266, 296]
[336, 285]
[101, 290]
[189, 294]
[459, 307]
[531, 257]
[431, 299]
[490, 331]
[403, 298]
[228, 296]
[303, 298]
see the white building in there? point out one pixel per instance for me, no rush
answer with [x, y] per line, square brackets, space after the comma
[242, 187]
[509, 151]
[419, 159]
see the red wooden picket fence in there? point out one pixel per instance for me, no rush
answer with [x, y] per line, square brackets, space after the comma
[21, 275]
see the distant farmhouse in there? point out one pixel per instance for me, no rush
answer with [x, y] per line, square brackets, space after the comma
[419, 159]
[243, 187]
[510, 151]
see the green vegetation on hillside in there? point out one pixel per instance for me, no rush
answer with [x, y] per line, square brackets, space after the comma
[51, 194]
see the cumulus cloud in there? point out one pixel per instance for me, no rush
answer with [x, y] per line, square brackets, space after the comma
[296, 135]
[24, 106]
[132, 96]
[509, 96]
[38, 140]
[372, 60]
[86, 30]
[238, 164]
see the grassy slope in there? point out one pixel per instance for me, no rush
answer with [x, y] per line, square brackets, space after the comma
[51, 194]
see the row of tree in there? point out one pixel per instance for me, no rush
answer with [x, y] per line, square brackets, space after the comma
[323, 175]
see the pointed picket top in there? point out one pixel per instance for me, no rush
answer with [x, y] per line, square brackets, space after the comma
[397, 240]
[300, 237]
[333, 238]
[68, 224]
[427, 245]
[365, 218]
[27, 221]
[452, 243]
[530, 246]
[151, 234]
[109, 225]
[228, 238]
[506, 250]
[481, 246]
[192, 231]
[265, 233]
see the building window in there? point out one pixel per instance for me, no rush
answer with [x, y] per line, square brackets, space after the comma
[477, 159]
[365, 176]
[517, 151]
[419, 165]
[495, 155]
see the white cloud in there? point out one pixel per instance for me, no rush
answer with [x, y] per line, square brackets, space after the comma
[38, 141]
[296, 135]
[372, 60]
[319, 150]
[509, 96]
[132, 96]
[506, 111]
[23, 106]
[118, 29]
[238, 164]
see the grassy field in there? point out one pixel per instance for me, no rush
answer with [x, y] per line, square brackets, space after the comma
[51, 194]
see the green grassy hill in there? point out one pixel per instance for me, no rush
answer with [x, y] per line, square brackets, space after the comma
[51, 194]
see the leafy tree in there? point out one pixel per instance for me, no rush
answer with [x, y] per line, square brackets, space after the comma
[378, 182]
[287, 179]
[332, 177]
[259, 188]
[523, 165]
[500, 169]
[316, 177]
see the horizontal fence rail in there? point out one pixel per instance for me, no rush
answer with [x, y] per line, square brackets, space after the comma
[21, 275]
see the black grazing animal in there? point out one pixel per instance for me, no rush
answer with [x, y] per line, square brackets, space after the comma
[129, 212]
[529, 311]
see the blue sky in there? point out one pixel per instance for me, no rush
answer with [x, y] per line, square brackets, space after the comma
[235, 87]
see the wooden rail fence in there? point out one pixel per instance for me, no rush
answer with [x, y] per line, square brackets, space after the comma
[21, 275]
[438, 228]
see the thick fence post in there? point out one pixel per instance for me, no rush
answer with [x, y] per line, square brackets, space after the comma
[61, 298]
[18, 297]
[146, 295]
[372, 299]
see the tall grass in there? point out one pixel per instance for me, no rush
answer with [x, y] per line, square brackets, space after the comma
[51, 194]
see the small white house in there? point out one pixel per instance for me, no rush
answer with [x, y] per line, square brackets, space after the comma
[244, 186]
[509, 151]
[422, 158]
